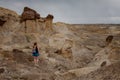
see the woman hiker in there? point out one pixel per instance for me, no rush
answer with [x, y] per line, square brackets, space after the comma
[35, 53]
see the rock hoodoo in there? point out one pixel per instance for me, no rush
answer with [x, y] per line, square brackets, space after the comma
[30, 18]
[49, 21]
[29, 14]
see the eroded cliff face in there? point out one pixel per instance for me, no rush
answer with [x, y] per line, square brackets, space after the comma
[32, 21]
[23, 28]
[68, 52]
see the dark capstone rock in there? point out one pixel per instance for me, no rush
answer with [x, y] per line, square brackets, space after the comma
[37, 16]
[49, 16]
[29, 14]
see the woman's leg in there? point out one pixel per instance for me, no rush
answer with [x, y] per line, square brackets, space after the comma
[35, 61]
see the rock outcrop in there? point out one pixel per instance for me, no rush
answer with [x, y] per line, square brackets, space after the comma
[2, 21]
[109, 39]
[29, 14]
[49, 21]
[33, 22]
[7, 15]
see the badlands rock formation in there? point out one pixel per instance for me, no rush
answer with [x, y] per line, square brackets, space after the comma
[29, 14]
[68, 51]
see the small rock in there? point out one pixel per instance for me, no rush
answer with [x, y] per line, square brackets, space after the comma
[109, 39]
[16, 50]
[103, 63]
[2, 70]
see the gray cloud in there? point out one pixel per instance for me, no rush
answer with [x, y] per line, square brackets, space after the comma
[71, 11]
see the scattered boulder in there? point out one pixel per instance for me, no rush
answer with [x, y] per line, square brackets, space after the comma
[103, 64]
[2, 70]
[109, 39]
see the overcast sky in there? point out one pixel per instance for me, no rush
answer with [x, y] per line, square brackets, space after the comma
[71, 11]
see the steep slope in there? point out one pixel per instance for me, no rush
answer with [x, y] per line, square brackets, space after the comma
[111, 72]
